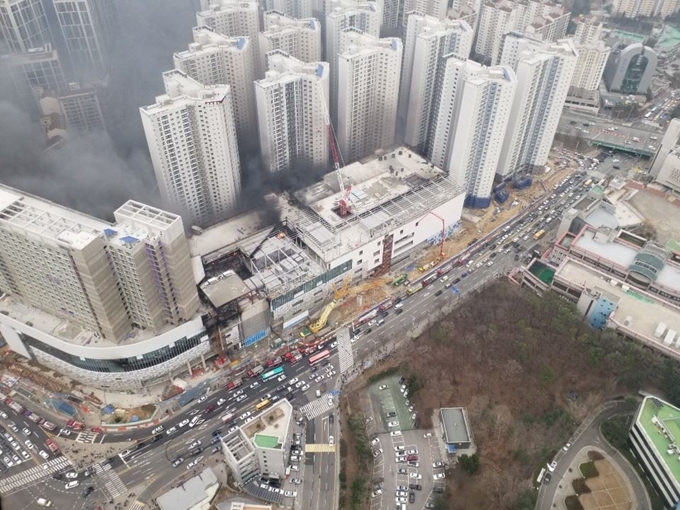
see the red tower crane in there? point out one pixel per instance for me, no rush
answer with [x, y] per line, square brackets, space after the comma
[344, 203]
[441, 245]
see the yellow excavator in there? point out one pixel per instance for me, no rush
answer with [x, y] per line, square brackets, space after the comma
[338, 294]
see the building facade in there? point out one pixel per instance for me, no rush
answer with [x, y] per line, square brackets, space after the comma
[294, 9]
[592, 59]
[24, 25]
[670, 140]
[81, 111]
[630, 69]
[645, 8]
[588, 30]
[214, 59]
[434, 8]
[299, 38]
[471, 123]
[544, 73]
[191, 135]
[428, 41]
[292, 106]
[368, 93]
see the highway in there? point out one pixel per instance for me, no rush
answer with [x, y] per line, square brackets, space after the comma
[151, 464]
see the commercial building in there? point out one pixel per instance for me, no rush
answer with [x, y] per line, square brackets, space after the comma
[24, 25]
[544, 73]
[234, 18]
[191, 135]
[653, 436]
[260, 446]
[455, 429]
[428, 41]
[196, 493]
[542, 21]
[341, 15]
[630, 69]
[113, 306]
[669, 173]
[368, 93]
[645, 8]
[292, 106]
[89, 29]
[670, 140]
[299, 38]
[470, 125]
[215, 59]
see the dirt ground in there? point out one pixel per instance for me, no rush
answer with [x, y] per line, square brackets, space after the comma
[663, 214]
[511, 360]
[608, 491]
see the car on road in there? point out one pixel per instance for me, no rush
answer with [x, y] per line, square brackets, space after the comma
[241, 398]
[171, 430]
[566, 447]
[72, 484]
[552, 466]
[44, 454]
[334, 345]
[221, 401]
[281, 378]
[195, 443]
[202, 399]
[183, 423]
[547, 478]
[71, 474]
[89, 490]
[295, 481]
[157, 430]
[192, 464]
[43, 502]
[439, 476]
[254, 385]
[26, 432]
[193, 421]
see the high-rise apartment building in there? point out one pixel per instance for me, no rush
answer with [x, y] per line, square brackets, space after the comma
[81, 111]
[234, 18]
[296, 9]
[470, 125]
[89, 29]
[191, 135]
[368, 76]
[428, 41]
[645, 8]
[588, 30]
[544, 74]
[435, 8]
[23, 25]
[292, 107]
[215, 59]
[541, 21]
[340, 15]
[592, 59]
[299, 38]
[392, 14]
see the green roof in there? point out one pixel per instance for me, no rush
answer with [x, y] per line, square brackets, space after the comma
[542, 272]
[669, 416]
[264, 441]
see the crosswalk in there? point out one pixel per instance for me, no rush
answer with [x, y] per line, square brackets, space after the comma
[136, 505]
[34, 474]
[110, 480]
[316, 408]
[345, 350]
[319, 448]
[86, 437]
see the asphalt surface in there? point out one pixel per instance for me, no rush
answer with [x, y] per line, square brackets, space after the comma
[151, 463]
[590, 436]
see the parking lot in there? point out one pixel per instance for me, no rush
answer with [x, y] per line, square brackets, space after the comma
[390, 406]
[12, 449]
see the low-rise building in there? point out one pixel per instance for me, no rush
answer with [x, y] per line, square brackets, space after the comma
[653, 436]
[196, 493]
[455, 428]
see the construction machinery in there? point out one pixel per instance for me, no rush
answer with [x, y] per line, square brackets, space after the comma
[441, 245]
[340, 293]
[321, 322]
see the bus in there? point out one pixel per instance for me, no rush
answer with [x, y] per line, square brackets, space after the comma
[227, 418]
[414, 288]
[272, 373]
[262, 405]
[319, 357]
[539, 234]
[401, 279]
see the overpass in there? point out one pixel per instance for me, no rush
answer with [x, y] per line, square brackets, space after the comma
[636, 151]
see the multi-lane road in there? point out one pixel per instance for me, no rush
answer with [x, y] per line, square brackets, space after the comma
[150, 465]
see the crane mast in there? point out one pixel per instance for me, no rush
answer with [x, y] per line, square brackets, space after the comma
[344, 205]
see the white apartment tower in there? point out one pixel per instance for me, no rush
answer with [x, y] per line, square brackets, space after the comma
[295, 9]
[470, 125]
[541, 21]
[340, 15]
[428, 41]
[292, 106]
[392, 14]
[299, 38]
[234, 18]
[645, 8]
[588, 30]
[23, 25]
[544, 74]
[108, 278]
[368, 78]
[592, 58]
[215, 59]
[192, 140]
[434, 8]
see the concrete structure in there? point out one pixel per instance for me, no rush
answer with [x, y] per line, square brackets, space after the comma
[392, 15]
[234, 18]
[192, 140]
[368, 93]
[260, 447]
[89, 29]
[541, 21]
[196, 493]
[81, 111]
[455, 428]
[294, 9]
[592, 58]
[470, 125]
[23, 25]
[670, 140]
[214, 59]
[669, 174]
[110, 305]
[629, 69]
[645, 8]
[341, 15]
[432, 8]
[588, 29]
[292, 106]
[544, 72]
[653, 437]
[299, 38]
[427, 42]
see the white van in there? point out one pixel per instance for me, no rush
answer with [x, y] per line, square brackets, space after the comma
[318, 393]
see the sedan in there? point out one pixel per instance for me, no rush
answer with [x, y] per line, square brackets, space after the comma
[437, 464]
[294, 380]
[72, 484]
[254, 385]
[330, 440]
[304, 387]
[26, 432]
[290, 494]
[282, 377]
[29, 445]
[44, 454]
[4, 415]
[334, 345]
[71, 475]
[195, 443]
[401, 500]
[192, 464]
[295, 481]
[157, 430]
[171, 430]
[552, 466]
[395, 433]
[377, 453]
[566, 447]
[412, 452]
[183, 423]
[202, 399]
[241, 398]
[383, 387]
[221, 401]
[418, 476]
[299, 384]
[439, 476]
[401, 494]
[393, 424]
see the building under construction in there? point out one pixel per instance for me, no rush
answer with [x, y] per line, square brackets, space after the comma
[388, 208]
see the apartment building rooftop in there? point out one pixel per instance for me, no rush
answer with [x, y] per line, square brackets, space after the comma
[182, 90]
[661, 423]
[269, 429]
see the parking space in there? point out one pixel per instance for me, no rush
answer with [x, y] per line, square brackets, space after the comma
[12, 449]
[392, 408]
